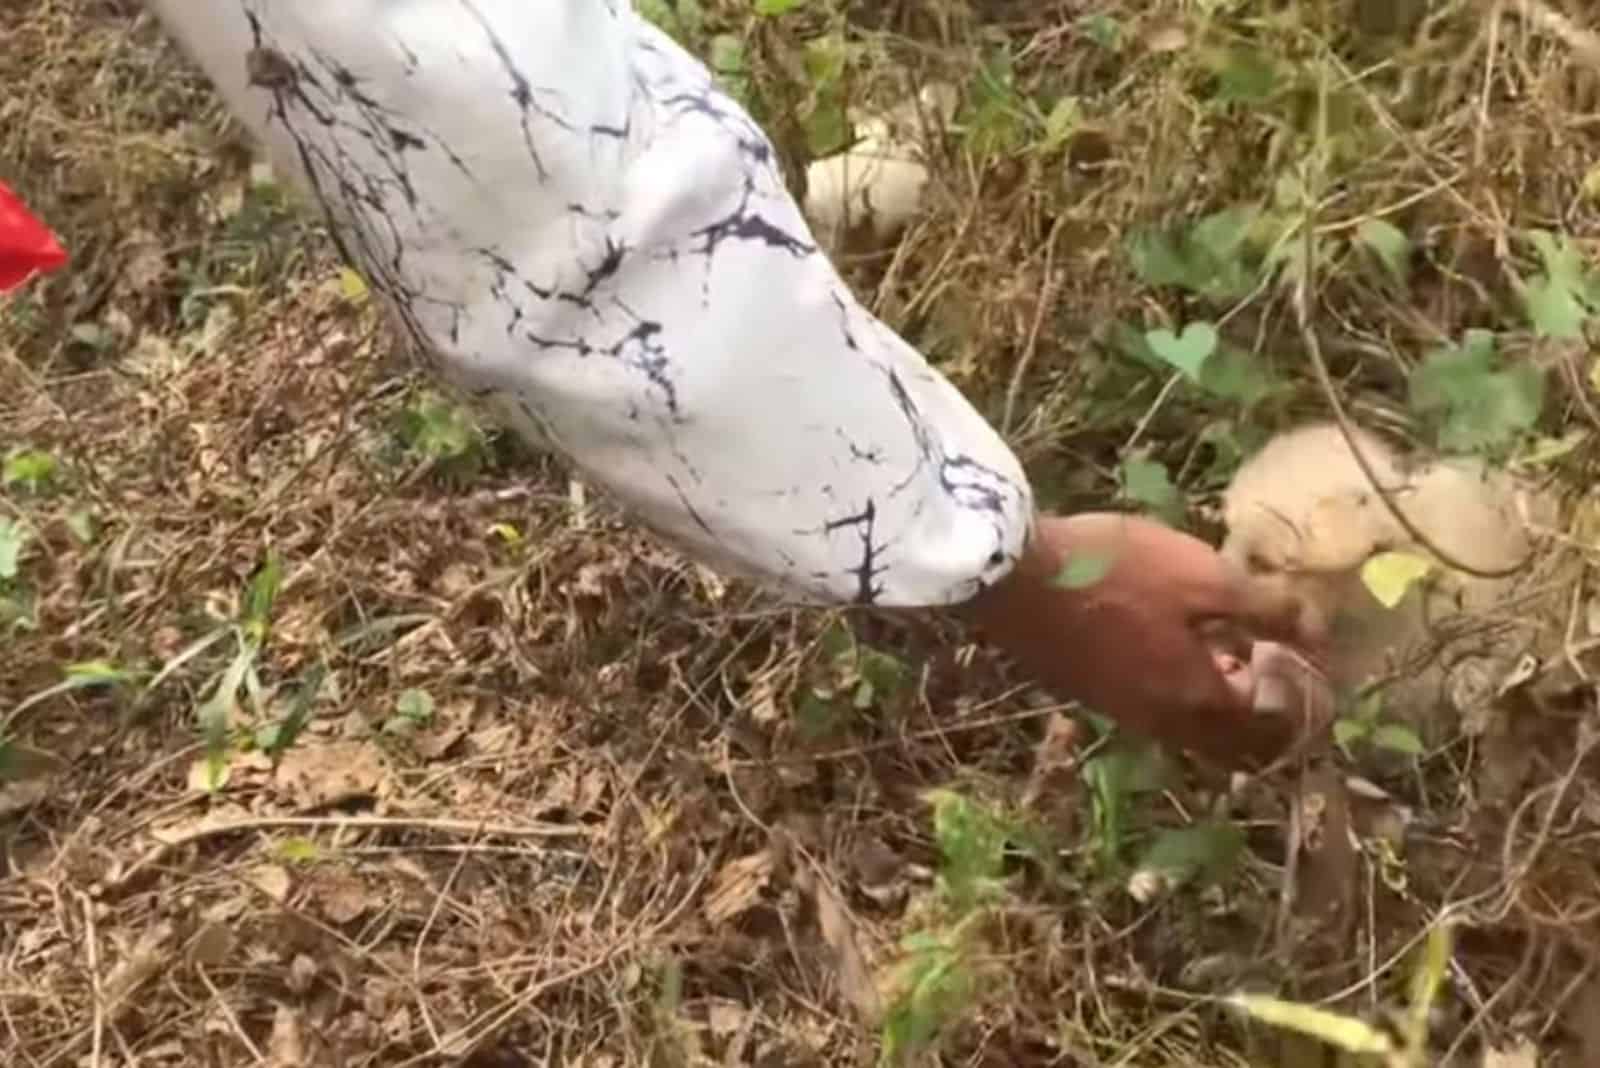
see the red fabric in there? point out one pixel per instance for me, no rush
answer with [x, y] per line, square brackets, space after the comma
[27, 247]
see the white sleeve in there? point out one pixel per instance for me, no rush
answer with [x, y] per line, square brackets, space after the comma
[575, 226]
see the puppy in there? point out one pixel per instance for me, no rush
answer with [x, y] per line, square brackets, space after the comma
[1302, 511]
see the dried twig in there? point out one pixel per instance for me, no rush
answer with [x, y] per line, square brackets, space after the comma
[203, 830]
[91, 942]
[1047, 301]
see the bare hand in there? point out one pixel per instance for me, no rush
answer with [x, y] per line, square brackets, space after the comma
[1152, 628]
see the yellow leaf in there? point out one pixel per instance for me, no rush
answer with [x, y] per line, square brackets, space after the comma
[1345, 1032]
[1591, 183]
[506, 532]
[1389, 575]
[1425, 980]
[1548, 450]
[298, 850]
[352, 285]
[1584, 526]
[201, 779]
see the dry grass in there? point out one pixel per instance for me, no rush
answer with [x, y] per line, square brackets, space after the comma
[625, 836]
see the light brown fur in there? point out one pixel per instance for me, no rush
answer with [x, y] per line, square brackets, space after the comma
[1303, 511]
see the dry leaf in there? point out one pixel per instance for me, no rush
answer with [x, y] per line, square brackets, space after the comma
[318, 776]
[285, 1047]
[340, 896]
[146, 266]
[1169, 38]
[434, 744]
[272, 880]
[1055, 763]
[19, 796]
[855, 981]
[1523, 1055]
[738, 886]
[725, 1017]
[397, 1025]
[211, 945]
[302, 973]
[574, 792]
[495, 738]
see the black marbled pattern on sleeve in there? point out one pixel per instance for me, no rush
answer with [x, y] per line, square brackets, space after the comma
[569, 220]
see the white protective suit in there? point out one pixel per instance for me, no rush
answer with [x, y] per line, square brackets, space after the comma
[574, 225]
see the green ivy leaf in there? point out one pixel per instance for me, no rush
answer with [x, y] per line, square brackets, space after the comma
[995, 118]
[1205, 850]
[1560, 300]
[1147, 483]
[1208, 260]
[438, 429]
[1390, 244]
[934, 979]
[1346, 732]
[1157, 260]
[826, 59]
[827, 127]
[731, 66]
[1060, 123]
[31, 468]
[413, 709]
[13, 538]
[827, 122]
[415, 705]
[884, 673]
[1398, 738]
[1222, 235]
[1474, 403]
[1244, 75]
[1103, 30]
[1233, 374]
[972, 841]
[1188, 351]
[1124, 770]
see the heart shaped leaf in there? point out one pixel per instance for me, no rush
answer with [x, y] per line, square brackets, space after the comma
[1187, 351]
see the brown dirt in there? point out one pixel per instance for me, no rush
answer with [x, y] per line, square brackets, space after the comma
[630, 832]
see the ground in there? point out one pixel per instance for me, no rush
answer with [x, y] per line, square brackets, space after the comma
[335, 729]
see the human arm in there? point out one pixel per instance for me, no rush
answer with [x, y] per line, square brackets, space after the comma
[570, 222]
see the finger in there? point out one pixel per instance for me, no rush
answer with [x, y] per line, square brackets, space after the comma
[1267, 608]
[1289, 684]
